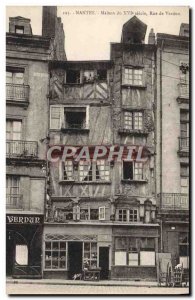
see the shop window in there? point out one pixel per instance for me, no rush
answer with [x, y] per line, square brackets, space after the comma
[134, 251]
[90, 254]
[19, 29]
[55, 255]
[133, 76]
[102, 75]
[88, 76]
[132, 170]
[21, 255]
[133, 120]
[75, 118]
[73, 76]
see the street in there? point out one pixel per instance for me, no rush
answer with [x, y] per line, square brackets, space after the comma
[79, 290]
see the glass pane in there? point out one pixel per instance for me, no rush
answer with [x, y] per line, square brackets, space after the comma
[21, 255]
[62, 245]
[48, 245]
[86, 246]
[55, 245]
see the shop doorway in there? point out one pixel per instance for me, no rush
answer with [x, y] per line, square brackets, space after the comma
[104, 262]
[75, 258]
[10, 253]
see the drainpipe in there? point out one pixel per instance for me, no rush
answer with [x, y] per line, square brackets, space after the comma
[161, 142]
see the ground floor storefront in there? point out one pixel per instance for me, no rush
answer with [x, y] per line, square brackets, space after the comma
[175, 240]
[123, 252]
[69, 249]
[23, 245]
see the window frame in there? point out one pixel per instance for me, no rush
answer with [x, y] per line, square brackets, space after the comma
[135, 176]
[133, 120]
[133, 76]
[55, 250]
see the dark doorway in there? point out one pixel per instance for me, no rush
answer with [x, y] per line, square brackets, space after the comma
[75, 258]
[104, 262]
[10, 255]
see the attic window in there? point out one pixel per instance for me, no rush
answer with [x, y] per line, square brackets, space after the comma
[72, 76]
[19, 29]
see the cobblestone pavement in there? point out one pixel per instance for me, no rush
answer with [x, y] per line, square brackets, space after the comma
[82, 290]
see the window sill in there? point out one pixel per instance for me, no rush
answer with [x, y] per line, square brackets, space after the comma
[125, 85]
[75, 130]
[84, 182]
[144, 266]
[132, 131]
[129, 181]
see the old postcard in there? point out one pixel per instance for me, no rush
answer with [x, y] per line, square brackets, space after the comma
[97, 150]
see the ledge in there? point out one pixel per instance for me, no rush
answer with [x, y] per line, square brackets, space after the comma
[83, 182]
[75, 130]
[129, 181]
[183, 99]
[132, 132]
[128, 86]
[21, 103]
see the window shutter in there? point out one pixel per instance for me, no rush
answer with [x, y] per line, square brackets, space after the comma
[102, 211]
[76, 212]
[144, 78]
[56, 117]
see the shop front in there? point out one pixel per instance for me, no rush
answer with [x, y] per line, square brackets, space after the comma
[23, 245]
[134, 252]
[69, 249]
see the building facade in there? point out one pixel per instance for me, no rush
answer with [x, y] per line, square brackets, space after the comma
[173, 144]
[27, 78]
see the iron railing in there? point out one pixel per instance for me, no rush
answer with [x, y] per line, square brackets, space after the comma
[174, 201]
[14, 201]
[78, 126]
[184, 144]
[21, 149]
[17, 92]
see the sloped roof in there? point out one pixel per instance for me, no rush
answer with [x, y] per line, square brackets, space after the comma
[133, 29]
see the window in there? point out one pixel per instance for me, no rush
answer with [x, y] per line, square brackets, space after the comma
[73, 76]
[94, 171]
[184, 181]
[133, 215]
[133, 170]
[184, 249]
[68, 170]
[13, 130]
[14, 77]
[102, 75]
[102, 213]
[127, 215]
[12, 185]
[90, 254]
[75, 118]
[19, 29]
[134, 251]
[133, 76]
[21, 256]
[55, 255]
[84, 214]
[184, 73]
[55, 117]
[133, 120]
[94, 214]
[122, 215]
[88, 76]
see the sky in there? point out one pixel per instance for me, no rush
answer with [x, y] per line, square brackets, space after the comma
[90, 30]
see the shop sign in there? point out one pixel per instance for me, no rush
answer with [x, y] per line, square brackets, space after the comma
[21, 219]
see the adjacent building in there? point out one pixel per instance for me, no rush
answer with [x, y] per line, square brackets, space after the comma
[173, 143]
[27, 78]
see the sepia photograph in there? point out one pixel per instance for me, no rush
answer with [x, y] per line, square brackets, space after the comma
[98, 150]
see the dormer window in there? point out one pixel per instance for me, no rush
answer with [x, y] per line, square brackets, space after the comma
[19, 29]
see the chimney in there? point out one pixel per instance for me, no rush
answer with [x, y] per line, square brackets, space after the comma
[49, 17]
[151, 37]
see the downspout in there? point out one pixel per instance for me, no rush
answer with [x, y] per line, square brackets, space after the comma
[161, 150]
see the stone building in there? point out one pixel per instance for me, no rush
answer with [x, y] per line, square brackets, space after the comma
[173, 143]
[27, 76]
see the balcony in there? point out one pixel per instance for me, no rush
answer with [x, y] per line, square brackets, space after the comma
[17, 94]
[14, 201]
[183, 93]
[170, 201]
[183, 146]
[21, 149]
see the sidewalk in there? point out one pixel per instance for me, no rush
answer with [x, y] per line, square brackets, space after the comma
[81, 282]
